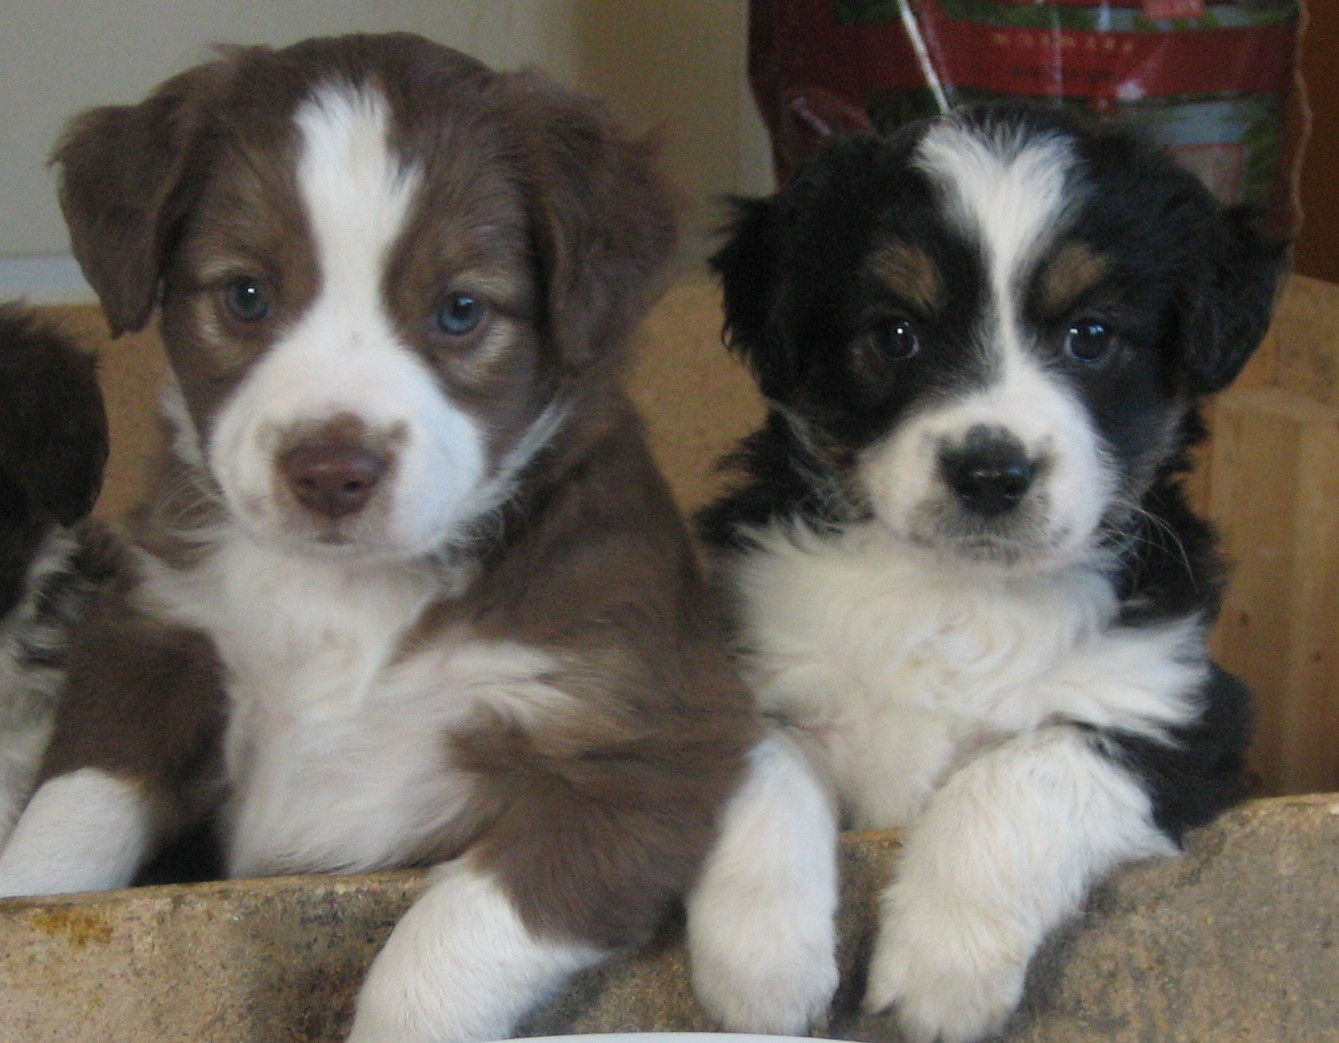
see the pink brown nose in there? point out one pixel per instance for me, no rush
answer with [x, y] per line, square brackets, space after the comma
[332, 480]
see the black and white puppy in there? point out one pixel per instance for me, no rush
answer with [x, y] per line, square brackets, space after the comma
[53, 446]
[408, 589]
[965, 580]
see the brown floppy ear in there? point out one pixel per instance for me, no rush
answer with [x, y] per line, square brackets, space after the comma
[127, 174]
[604, 221]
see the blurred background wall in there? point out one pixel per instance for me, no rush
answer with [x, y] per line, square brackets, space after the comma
[676, 67]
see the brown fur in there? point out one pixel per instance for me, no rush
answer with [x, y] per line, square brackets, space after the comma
[607, 582]
[143, 700]
[911, 275]
[593, 823]
[1074, 271]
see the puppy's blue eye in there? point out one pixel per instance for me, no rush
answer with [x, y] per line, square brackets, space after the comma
[461, 313]
[247, 299]
[1088, 341]
[900, 340]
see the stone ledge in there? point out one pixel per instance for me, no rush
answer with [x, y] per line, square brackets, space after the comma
[1238, 941]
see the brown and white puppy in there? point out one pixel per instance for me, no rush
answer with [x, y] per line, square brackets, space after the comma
[53, 446]
[408, 589]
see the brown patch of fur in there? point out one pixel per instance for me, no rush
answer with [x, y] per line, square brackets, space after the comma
[143, 700]
[594, 822]
[909, 273]
[1074, 271]
[595, 839]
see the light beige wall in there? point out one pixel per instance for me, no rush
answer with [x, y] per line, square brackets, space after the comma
[681, 67]
[60, 56]
[677, 64]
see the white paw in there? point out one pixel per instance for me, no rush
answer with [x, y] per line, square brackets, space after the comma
[84, 831]
[949, 979]
[762, 935]
[461, 966]
[778, 982]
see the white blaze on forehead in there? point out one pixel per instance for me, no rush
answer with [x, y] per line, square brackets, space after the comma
[1009, 191]
[1006, 188]
[356, 191]
[343, 356]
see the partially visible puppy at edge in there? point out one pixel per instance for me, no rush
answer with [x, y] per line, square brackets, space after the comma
[53, 447]
[408, 589]
[965, 581]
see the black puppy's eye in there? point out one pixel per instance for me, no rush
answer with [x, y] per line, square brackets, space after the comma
[1088, 340]
[247, 299]
[899, 340]
[460, 314]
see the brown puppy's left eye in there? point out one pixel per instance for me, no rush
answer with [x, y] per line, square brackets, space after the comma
[247, 299]
[460, 314]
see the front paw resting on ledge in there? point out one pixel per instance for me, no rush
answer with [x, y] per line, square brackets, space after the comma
[950, 978]
[983, 880]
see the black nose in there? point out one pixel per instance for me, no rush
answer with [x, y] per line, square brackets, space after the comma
[990, 472]
[332, 480]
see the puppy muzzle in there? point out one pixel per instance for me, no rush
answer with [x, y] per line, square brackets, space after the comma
[990, 472]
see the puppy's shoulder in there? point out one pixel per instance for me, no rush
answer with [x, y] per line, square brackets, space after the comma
[777, 476]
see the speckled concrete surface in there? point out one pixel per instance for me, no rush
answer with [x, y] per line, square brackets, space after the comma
[1238, 941]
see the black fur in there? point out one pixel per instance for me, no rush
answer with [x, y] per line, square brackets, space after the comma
[1190, 283]
[53, 426]
[1201, 772]
[53, 441]
[53, 445]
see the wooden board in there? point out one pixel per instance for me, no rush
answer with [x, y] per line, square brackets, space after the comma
[1270, 481]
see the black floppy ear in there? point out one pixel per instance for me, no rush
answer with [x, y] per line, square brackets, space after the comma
[604, 222]
[127, 173]
[1235, 301]
[748, 268]
[53, 427]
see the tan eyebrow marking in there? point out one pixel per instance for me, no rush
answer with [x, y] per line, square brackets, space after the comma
[910, 273]
[1074, 270]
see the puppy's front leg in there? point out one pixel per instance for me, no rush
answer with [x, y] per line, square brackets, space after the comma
[84, 831]
[762, 936]
[135, 739]
[462, 965]
[1005, 851]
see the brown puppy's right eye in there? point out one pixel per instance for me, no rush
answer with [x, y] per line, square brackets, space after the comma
[460, 315]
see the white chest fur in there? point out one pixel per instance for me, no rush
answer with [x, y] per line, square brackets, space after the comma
[894, 668]
[336, 748]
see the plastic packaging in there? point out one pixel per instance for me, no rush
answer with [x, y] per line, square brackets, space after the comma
[1211, 80]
